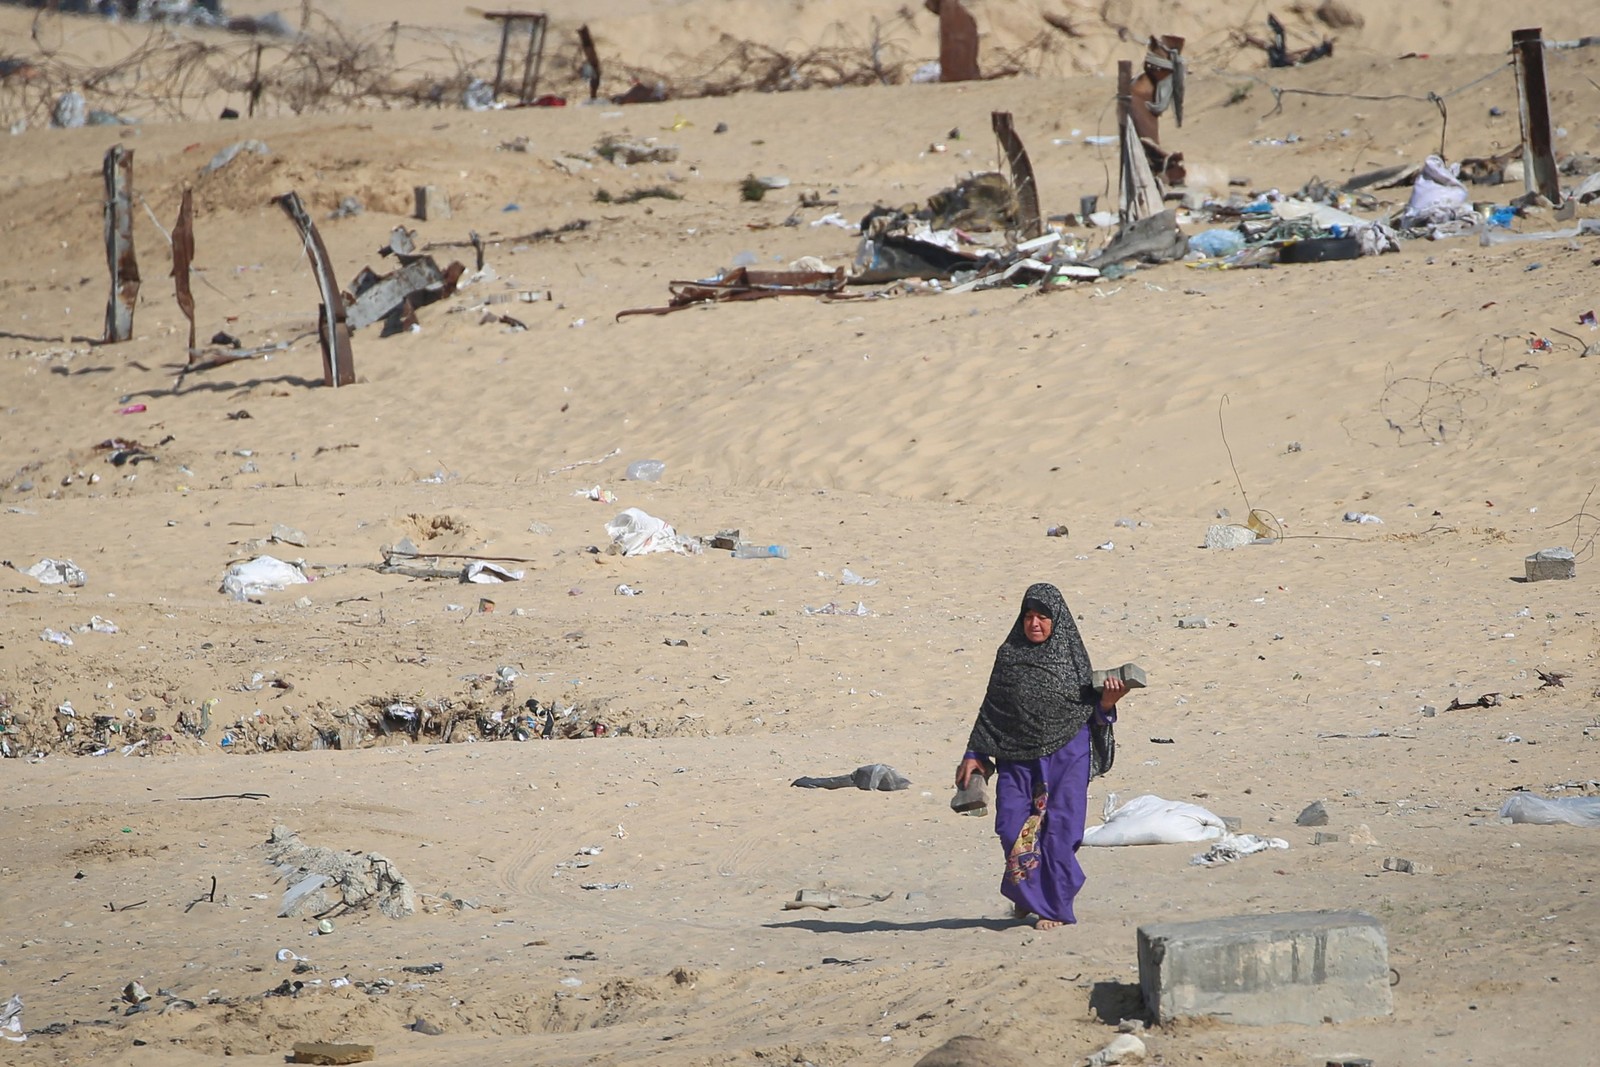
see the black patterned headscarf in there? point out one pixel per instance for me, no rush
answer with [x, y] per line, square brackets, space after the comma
[1039, 696]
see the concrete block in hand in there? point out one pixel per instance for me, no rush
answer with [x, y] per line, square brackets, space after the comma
[1131, 674]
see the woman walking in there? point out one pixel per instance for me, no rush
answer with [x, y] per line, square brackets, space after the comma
[1033, 735]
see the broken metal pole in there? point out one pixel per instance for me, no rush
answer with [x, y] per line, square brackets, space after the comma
[1539, 174]
[119, 244]
[1027, 190]
[338, 365]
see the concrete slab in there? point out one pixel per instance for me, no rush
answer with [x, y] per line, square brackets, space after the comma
[1260, 970]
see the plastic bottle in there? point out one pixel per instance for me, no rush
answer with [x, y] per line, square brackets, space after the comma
[747, 551]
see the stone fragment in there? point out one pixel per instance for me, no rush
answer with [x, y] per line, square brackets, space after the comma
[1314, 814]
[965, 1051]
[1322, 837]
[1193, 622]
[431, 203]
[1222, 535]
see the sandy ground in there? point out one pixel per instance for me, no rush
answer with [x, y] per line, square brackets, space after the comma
[926, 442]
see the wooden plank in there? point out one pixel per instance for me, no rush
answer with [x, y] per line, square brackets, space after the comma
[120, 256]
[1539, 174]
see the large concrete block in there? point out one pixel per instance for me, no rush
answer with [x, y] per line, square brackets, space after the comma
[1551, 563]
[1259, 970]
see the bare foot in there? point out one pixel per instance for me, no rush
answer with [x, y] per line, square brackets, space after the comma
[1047, 924]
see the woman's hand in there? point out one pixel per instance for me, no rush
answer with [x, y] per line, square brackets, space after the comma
[967, 769]
[1114, 690]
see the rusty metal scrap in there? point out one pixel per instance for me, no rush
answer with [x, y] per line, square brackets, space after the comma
[394, 297]
[744, 284]
[1022, 182]
[958, 42]
[119, 244]
[182, 258]
[338, 364]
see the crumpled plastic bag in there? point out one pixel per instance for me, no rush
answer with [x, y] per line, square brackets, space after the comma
[1150, 820]
[1233, 847]
[57, 572]
[637, 533]
[1437, 196]
[11, 1020]
[483, 573]
[1547, 811]
[264, 574]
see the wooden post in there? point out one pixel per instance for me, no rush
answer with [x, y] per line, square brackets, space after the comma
[119, 244]
[1539, 174]
[338, 365]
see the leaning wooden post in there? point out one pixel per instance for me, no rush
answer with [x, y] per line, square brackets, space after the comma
[338, 365]
[958, 43]
[119, 244]
[1124, 103]
[1539, 174]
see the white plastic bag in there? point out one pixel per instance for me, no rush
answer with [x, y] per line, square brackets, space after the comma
[261, 575]
[637, 533]
[1233, 847]
[1150, 820]
[1532, 808]
[1437, 195]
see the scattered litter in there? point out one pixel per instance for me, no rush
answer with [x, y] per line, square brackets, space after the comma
[826, 899]
[229, 154]
[483, 572]
[1193, 622]
[606, 886]
[850, 577]
[1233, 847]
[58, 572]
[833, 608]
[56, 637]
[605, 496]
[627, 590]
[1366, 518]
[872, 776]
[1546, 811]
[361, 879]
[1150, 820]
[263, 574]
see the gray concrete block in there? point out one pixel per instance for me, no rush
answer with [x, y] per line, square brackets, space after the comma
[1551, 563]
[1261, 970]
[1131, 673]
